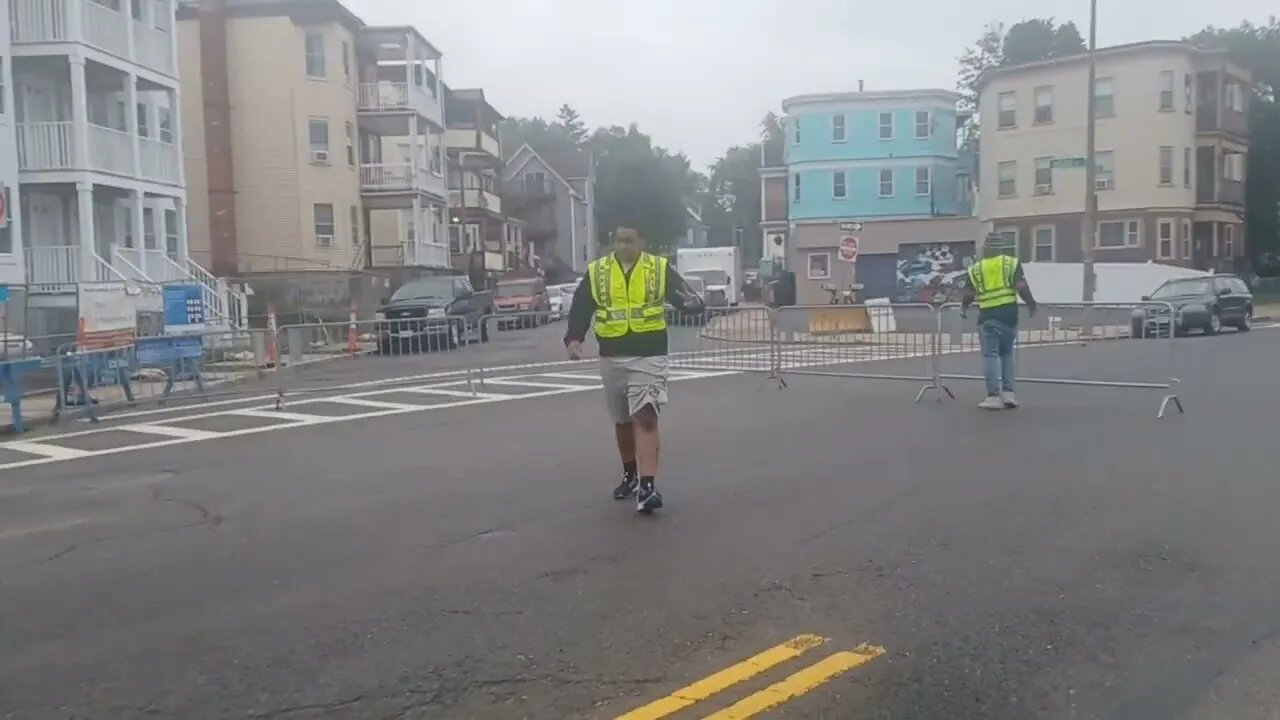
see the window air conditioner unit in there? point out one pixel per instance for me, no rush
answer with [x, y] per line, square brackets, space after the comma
[320, 156]
[1044, 189]
[1102, 183]
[324, 241]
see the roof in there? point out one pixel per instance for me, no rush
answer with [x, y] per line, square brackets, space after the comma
[513, 169]
[304, 11]
[469, 95]
[1100, 53]
[945, 96]
[570, 163]
[374, 30]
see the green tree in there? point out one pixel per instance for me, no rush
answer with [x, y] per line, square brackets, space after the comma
[1258, 48]
[572, 124]
[732, 200]
[640, 185]
[537, 132]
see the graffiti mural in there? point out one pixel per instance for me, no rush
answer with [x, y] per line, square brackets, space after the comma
[933, 272]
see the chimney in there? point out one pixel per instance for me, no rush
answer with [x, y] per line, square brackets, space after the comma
[216, 92]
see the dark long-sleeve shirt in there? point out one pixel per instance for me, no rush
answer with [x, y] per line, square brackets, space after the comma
[648, 344]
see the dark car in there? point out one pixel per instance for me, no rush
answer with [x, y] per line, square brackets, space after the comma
[1206, 303]
[525, 299]
[431, 314]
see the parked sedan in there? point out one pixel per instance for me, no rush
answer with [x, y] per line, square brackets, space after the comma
[1206, 303]
[561, 297]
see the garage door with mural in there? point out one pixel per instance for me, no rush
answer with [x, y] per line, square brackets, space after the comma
[932, 272]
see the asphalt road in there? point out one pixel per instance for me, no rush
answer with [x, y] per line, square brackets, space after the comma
[1073, 559]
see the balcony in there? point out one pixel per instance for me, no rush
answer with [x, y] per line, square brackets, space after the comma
[475, 198]
[95, 25]
[46, 146]
[398, 178]
[159, 161]
[110, 150]
[58, 268]
[398, 97]
[469, 139]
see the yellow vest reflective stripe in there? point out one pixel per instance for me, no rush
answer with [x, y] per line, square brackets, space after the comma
[992, 281]
[635, 306]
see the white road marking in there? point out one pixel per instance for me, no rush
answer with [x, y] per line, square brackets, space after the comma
[365, 402]
[51, 452]
[534, 383]
[568, 376]
[170, 431]
[440, 390]
[272, 414]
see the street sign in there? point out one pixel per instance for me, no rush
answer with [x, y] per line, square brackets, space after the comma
[183, 308]
[1067, 163]
[851, 227]
[849, 248]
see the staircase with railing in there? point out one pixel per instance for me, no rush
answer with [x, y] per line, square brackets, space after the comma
[54, 269]
[224, 307]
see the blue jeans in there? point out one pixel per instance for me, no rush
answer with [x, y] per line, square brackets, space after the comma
[997, 340]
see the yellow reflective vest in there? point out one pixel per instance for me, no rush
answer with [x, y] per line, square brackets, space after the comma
[992, 281]
[638, 306]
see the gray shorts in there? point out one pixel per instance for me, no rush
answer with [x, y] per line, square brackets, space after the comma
[630, 383]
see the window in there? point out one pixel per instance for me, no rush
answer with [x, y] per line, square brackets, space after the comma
[171, 233]
[346, 61]
[315, 55]
[1105, 163]
[1167, 79]
[1118, 234]
[924, 182]
[819, 266]
[1166, 165]
[1044, 105]
[1228, 240]
[795, 131]
[1009, 236]
[1043, 250]
[839, 187]
[837, 129]
[318, 136]
[924, 125]
[355, 226]
[1104, 98]
[2, 86]
[144, 127]
[795, 195]
[1008, 110]
[135, 9]
[1188, 86]
[534, 182]
[1186, 239]
[1044, 176]
[1233, 96]
[1008, 176]
[6, 232]
[324, 224]
[1233, 166]
[166, 124]
[1164, 239]
[1186, 167]
[128, 228]
[886, 126]
[886, 183]
[351, 145]
[148, 228]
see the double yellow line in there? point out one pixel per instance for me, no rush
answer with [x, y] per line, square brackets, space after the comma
[780, 692]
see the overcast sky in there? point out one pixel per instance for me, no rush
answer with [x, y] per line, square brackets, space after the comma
[698, 75]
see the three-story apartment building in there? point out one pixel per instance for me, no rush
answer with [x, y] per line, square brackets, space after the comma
[12, 267]
[483, 240]
[883, 167]
[317, 141]
[96, 113]
[1172, 141]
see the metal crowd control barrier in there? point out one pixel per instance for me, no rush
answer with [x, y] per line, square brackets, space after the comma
[1082, 334]
[914, 342]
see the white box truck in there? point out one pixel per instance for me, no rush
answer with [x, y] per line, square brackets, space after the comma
[719, 268]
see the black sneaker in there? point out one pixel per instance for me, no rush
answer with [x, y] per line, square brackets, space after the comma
[627, 488]
[648, 499]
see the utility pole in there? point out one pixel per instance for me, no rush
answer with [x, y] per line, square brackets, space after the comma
[1091, 161]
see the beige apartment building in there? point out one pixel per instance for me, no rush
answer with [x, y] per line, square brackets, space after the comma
[314, 142]
[1172, 141]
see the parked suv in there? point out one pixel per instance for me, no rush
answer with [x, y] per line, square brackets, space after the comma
[1206, 303]
[432, 313]
[526, 296]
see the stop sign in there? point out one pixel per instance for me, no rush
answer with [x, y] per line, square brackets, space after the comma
[849, 248]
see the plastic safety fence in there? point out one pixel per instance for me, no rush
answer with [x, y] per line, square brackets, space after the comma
[885, 341]
[1101, 345]
[163, 370]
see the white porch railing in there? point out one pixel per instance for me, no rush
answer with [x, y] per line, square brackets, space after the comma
[434, 255]
[153, 48]
[57, 268]
[390, 176]
[384, 96]
[110, 150]
[159, 160]
[129, 262]
[105, 28]
[40, 21]
[45, 146]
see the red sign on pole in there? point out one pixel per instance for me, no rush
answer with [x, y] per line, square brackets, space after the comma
[849, 248]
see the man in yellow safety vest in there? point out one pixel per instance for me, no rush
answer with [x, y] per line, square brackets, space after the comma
[625, 293]
[995, 283]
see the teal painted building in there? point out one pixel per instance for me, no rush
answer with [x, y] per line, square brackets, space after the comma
[874, 155]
